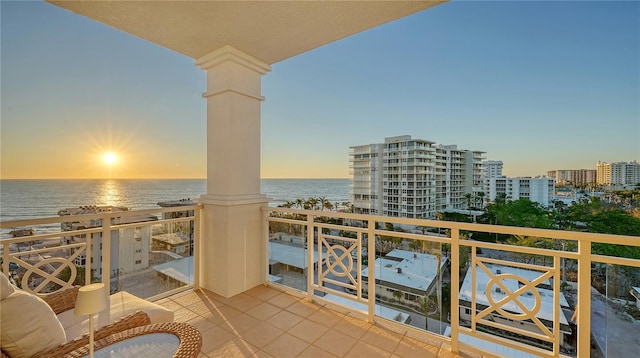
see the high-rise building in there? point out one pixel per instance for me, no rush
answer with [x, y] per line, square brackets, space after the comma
[576, 177]
[405, 177]
[618, 173]
[492, 168]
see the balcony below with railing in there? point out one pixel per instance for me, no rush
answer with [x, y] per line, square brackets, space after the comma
[348, 285]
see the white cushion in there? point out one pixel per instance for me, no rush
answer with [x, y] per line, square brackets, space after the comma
[29, 325]
[6, 288]
[121, 304]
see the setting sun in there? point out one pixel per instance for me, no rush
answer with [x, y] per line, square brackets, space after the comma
[109, 158]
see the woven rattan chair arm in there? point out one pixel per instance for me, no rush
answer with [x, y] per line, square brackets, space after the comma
[132, 321]
[63, 300]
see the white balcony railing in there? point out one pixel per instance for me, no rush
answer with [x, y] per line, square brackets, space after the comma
[149, 253]
[429, 276]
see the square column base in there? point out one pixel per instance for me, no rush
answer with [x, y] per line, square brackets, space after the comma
[231, 247]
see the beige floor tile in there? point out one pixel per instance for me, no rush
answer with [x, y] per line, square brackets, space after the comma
[381, 338]
[336, 342]
[326, 317]
[214, 296]
[363, 350]
[213, 338]
[183, 315]
[263, 311]
[240, 324]
[283, 300]
[262, 354]
[244, 302]
[170, 304]
[201, 324]
[263, 292]
[187, 299]
[315, 352]
[445, 352]
[308, 330]
[204, 307]
[286, 346]
[262, 334]
[409, 348]
[222, 314]
[235, 348]
[284, 320]
[303, 308]
[353, 327]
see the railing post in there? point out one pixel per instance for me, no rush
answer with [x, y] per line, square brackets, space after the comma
[310, 268]
[371, 264]
[584, 298]
[455, 286]
[105, 252]
[88, 254]
[5, 258]
[197, 230]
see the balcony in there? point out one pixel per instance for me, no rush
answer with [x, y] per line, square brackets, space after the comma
[332, 303]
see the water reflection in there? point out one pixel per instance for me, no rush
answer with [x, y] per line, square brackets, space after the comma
[110, 192]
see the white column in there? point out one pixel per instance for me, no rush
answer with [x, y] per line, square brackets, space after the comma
[230, 252]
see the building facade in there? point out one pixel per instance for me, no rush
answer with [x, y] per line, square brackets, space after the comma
[576, 177]
[130, 247]
[413, 178]
[618, 173]
[540, 190]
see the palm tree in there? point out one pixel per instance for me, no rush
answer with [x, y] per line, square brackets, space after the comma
[480, 196]
[312, 203]
[299, 203]
[327, 205]
[398, 295]
[469, 198]
[287, 204]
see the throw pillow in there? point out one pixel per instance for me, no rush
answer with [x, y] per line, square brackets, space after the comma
[29, 325]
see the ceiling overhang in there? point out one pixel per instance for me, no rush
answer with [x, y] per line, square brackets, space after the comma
[270, 31]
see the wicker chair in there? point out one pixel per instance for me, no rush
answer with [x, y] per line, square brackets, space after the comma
[65, 300]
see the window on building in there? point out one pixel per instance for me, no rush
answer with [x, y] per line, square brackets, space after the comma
[138, 262]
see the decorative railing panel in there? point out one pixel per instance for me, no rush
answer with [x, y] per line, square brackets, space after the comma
[428, 275]
[146, 252]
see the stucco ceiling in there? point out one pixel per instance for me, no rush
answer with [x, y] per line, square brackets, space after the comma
[268, 30]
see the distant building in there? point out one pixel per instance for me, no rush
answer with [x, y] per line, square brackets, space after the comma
[492, 169]
[544, 312]
[618, 174]
[539, 190]
[413, 274]
[183, 230]
[575, 177]
[412, 178]
[129, 247]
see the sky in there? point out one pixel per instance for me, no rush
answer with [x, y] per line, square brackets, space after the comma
[539, 85]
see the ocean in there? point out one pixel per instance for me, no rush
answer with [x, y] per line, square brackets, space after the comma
[29, 199]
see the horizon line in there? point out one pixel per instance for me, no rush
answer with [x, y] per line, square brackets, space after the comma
[297, 178]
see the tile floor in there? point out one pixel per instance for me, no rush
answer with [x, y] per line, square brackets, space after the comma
[265, 322]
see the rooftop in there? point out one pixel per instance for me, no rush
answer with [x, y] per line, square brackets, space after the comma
[407, 268]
